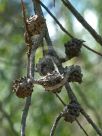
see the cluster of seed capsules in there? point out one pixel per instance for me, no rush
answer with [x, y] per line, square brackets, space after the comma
[46, 68]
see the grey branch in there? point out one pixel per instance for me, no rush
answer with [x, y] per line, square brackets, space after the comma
[36, 40]
[96, 36]
[24, 115]
[30, 74]
[99, 132]
[63, 29]
[55, 124]
[66, 32]
[82, 127]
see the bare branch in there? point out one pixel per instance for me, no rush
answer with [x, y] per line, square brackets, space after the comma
[81, 127]
[24, 16]
[66, 32]
[61, 70]
[60, 99]
[30, 74]
[62, 28]
[96, 36]
[99, 132]
[24, 115]
[55, 124]
[98, 53]
[87, 103]
[73, 98]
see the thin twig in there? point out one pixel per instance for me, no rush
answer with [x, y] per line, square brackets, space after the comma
[96, 36]
[73, 98]
[60, 99]
[24, 16]
[99, 132]
[30, 74]
[62, 28]
[65, 31]
[98, 53]
[81, 127]
[55, 124]
[24, 115]
[87, 103]
[68, 88]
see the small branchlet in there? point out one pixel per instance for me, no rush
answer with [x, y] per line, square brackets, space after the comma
[70, 114]
[23, 87]
[73, 47]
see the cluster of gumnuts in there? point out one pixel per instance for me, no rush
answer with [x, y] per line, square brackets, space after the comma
[46, 68]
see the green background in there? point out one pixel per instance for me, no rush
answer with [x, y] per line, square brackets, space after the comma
[45, 106]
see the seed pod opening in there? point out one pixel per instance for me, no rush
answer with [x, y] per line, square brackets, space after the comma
[22, 87]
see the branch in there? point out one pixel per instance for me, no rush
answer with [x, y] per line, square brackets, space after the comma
[60, 99]
[55, 124]
[30, 74]
[62, 28]
[85, 101]
[98, 53]
[96, 36]
[24, 115]
[73, 97]
[99, 132]
[61, 70]
[70, 93]
[82, 127]
[65, 31]
[24, 16]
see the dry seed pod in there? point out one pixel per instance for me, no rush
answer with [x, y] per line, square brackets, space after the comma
[36, 24]
[45, 65]
[73, 47]
[51, 82]
[75, 74]
[22, 87]
[71, 112]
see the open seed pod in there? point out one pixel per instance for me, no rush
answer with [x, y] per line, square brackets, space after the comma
[45, 65]
[73, 47]
[22, 87]
[36, 24]
[52, 82]
[71, 112]
[75, 74]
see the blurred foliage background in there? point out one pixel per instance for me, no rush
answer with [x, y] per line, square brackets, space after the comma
[45, 106]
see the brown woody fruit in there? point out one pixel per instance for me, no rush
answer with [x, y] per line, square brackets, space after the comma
[36, 24]
[73, 47]
[71, 112]
[45, 65]
[22, 87]
[75, 74]
[52, 82]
